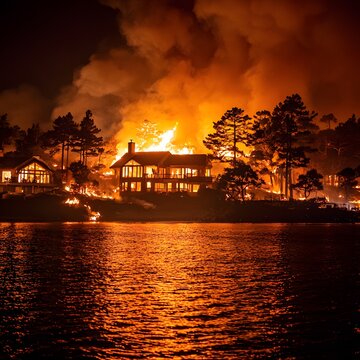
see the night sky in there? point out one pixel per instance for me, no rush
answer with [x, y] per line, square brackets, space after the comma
[171, 62]
[43, 42]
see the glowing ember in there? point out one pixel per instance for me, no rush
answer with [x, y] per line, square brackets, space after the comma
[108, 173]
[72, 201]
[94, 216]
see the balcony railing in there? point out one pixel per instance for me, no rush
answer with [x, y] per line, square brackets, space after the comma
[186, 177]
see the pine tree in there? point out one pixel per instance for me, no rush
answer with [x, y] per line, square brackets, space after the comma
[62, 135]
[238, 179]
[230, 131]
[309, 182]
[289, 131]
[87, 142]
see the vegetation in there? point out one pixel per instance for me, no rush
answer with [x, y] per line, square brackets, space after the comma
[264, 153]
[309, 182]
[230, 131]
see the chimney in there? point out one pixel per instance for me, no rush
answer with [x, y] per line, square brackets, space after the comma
[131, 147]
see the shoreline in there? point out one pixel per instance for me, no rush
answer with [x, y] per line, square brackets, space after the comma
[52, 208]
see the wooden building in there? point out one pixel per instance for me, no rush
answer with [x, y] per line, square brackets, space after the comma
[25, 174]
[161, 171]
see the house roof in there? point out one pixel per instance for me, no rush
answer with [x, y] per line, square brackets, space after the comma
[143, 158]
[163, 158]
[18, 162]
[187, 160]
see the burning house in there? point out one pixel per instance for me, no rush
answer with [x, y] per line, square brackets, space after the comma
[161, 171]
[25, 175]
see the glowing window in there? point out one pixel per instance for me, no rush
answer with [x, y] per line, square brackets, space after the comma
[6, 176]
[34, 173]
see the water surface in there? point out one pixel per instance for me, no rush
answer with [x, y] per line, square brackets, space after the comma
[185, 291]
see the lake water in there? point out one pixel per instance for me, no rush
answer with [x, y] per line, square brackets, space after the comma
[179, 290]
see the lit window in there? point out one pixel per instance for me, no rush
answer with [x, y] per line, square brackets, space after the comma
[6, 176]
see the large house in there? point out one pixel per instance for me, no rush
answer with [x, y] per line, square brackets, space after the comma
[161, 171]
[25, 174]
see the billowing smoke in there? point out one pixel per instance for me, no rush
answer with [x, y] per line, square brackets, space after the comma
[187, 62]
[25, 106]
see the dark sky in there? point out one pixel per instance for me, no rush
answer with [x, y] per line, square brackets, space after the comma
[42, 42]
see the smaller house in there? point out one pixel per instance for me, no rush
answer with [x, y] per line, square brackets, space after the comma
[161, 171]
[25, 175]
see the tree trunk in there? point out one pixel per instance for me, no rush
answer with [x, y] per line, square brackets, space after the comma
[67, 163]
[234, 144]
[62, 160]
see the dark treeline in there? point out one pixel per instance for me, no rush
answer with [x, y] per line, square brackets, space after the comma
[280, 146]
[65, 136]
[279, 151]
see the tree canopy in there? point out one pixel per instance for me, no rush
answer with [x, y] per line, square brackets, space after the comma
[230, 131]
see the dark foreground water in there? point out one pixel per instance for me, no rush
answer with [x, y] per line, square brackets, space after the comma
[183, 291]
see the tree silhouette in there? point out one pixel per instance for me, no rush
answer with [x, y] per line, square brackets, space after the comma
[289, 131]
[236, 180]
[263, 157]
[30, 142]
[347, 181]
[309, 182]
[328, 119]
[80, 173]
[87, 142]
[7, 132]
[62, 135]
[231, 130]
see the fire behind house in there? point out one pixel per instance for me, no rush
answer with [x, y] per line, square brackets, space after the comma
[161, 171]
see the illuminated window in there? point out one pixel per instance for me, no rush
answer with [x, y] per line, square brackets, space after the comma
[135, 186]
[132, 171]
[6, 176]
[148, 186]
[195, 188]
[34, 173]
[160, 187]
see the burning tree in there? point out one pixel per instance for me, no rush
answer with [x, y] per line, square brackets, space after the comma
[232, 129]
[309, 182]
[238, 179]
[148, 134]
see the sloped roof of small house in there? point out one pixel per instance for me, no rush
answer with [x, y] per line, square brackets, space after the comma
[18, 162]
[143, 158]
[163, 158]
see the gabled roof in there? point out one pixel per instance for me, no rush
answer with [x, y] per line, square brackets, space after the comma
[18, 162]
[143, 158]
[163, 158]
[187, 160]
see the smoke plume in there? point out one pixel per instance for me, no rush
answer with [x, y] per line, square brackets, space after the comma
[187, 62]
